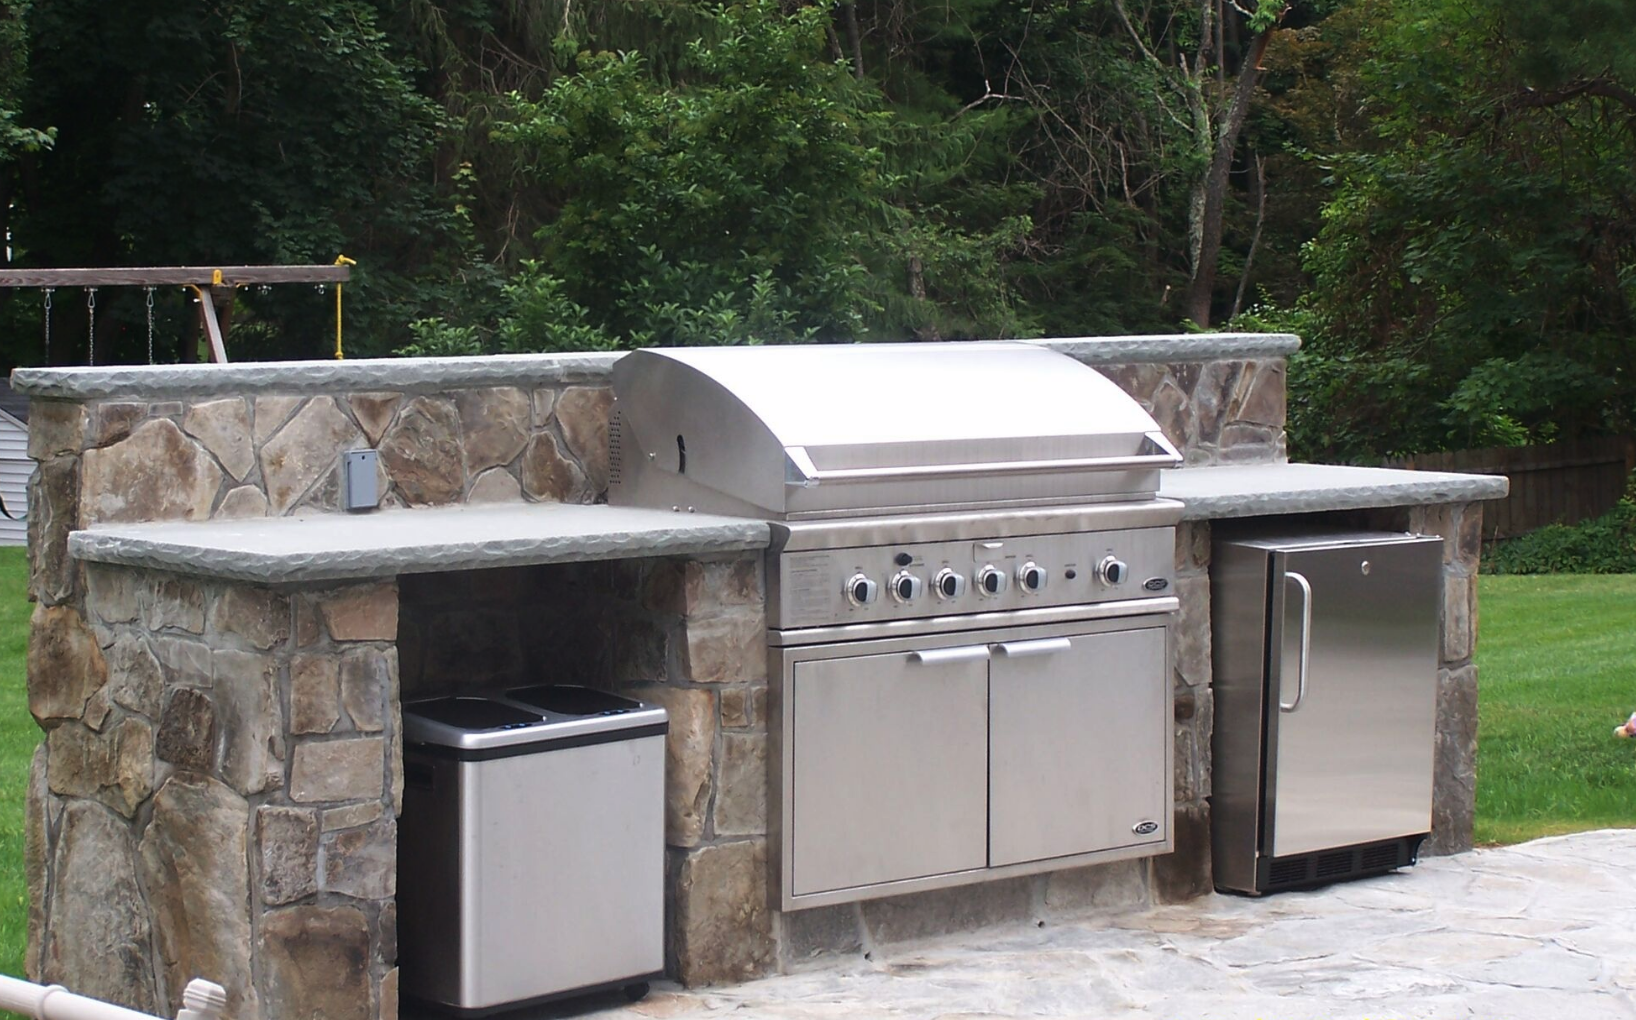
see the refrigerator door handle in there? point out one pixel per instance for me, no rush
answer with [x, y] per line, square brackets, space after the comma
[1306, 640]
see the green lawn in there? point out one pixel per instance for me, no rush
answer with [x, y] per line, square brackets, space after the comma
[1556, 661]
[18, 738]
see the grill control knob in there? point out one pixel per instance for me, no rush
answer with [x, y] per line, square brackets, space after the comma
[860, 590]
[1112, 570]
[948, 584]
[1032, 577]
[906, 587]
[991, 580]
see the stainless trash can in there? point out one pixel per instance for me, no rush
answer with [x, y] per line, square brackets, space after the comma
[531, 848]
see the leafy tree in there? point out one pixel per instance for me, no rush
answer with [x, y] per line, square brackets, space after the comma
[1478, 250]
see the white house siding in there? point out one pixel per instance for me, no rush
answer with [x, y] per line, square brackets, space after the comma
[15, 467]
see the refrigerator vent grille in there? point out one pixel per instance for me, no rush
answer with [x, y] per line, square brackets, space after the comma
[1330, 865]
[615, 455]
[1333, 865]
[1384, 856]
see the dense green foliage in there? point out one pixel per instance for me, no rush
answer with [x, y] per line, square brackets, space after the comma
[1438, 195]
[1472, 275]
[1555, 662]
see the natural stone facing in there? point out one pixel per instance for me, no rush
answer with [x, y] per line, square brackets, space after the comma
[195, 867]
[720, 926]
[726, 649]
[546, 474]
[392, 542]
[374, 412]
[55, 426]
[37, 809]
[735, 707]
[155, 473]
[287, 843]
[496, 485]
[113, 595]
[295, 944]
[689, 751]
[1454, 797]
[244, 501]
[365, 681]
[741, 794]
[258, 616]
[271, 414]
[409, 375]
[362, 613]
[315, 689]
[135, 680]
[187, 731]
[65, 664]
[362, 862]
[53, 514]
[98, 929]
[494, 425]
[113, 421]
[249, 720]
[174, 602]
[184, 661]
[1191, 633]
[808, 935]
[1257, 490]
[223, 426]
[422, 452]
[583, 414]
[1173, 347]
[352, 816]
[1459, 615]
[352, 768]
[1185, 873]
[304, 451]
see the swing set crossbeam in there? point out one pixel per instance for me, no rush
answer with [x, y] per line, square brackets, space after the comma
[182, 276]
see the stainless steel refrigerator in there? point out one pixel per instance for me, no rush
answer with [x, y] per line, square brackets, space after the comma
[1325, 679]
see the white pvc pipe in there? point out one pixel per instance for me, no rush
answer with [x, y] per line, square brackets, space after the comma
[202, 1000]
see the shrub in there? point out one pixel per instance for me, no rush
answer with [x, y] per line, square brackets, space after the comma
[1603, 545]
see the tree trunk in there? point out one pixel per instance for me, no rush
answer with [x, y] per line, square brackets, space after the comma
[1210, 198]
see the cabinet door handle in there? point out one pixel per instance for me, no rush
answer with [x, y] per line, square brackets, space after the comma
[1306, 640]
[1024, 649]
[965, 653]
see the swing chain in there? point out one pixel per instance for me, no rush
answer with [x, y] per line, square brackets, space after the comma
[91, 325]
[48, 291]
[149, 289]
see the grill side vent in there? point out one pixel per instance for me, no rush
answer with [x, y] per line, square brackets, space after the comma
[614, 456]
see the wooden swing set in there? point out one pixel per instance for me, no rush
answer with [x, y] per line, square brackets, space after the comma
[214, 288]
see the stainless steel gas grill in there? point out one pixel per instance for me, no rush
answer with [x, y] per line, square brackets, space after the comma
[969, 598]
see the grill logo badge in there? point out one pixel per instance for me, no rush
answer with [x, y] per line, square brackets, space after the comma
[1145, 828]
[1156, 584]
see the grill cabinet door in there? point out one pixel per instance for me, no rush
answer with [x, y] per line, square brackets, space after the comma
[1351, 757]
[1077, 742]
[889, 754]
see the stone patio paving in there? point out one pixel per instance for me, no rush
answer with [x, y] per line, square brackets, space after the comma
[1530, 932]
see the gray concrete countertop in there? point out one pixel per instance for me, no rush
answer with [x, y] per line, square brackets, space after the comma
[1258, 490]
[430, 375]
[330, 547]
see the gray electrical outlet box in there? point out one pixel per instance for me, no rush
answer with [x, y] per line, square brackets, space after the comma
[359, 490]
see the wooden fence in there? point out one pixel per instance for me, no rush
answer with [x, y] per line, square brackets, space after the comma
[1559, 483]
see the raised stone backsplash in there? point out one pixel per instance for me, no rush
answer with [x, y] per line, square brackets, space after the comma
[216, 794]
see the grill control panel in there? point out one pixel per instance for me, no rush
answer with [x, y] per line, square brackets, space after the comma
[894, 582]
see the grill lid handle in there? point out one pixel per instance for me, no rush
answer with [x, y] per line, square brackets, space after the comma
[799, 470]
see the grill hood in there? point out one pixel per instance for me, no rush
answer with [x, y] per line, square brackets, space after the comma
[813, 432]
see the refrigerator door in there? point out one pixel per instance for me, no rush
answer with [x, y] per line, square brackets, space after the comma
[1352, 692]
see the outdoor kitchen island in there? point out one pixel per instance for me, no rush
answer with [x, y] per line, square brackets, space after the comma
[219, 787]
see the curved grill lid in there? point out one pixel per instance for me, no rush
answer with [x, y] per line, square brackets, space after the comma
[818, 431]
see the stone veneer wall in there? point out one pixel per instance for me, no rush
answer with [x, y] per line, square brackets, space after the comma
[216, 795]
